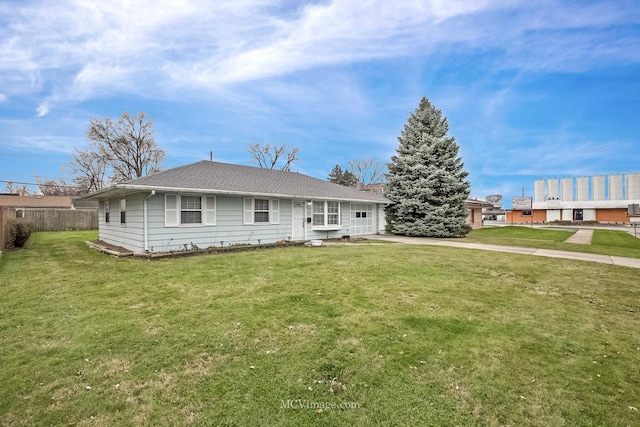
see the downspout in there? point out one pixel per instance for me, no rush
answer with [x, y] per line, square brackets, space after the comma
[144, 220]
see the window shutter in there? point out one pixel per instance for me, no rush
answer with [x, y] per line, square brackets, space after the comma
[171, 211]
[248, 211]
[274, 211]
[210, 210]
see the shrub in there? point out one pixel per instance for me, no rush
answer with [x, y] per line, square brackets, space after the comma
[19, 230]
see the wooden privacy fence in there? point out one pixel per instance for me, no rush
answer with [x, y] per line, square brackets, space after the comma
[5, 215]
[61, 219]
[49, 220]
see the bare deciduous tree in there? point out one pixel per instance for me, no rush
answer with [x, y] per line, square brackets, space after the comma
[13, 187]
[273, 157]
[126, 147]
[89, 169]
[368, 171]
[55, 187]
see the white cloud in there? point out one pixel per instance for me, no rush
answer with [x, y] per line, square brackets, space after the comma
[3, 97]
[338, 32]
[45, 106]
[98, 78]
[77, 49]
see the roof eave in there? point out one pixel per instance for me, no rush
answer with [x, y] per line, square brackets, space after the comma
[123, 189]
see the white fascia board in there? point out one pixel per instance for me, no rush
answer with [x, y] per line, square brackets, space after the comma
[138, 188]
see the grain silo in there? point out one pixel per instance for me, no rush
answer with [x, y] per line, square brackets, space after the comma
[582, 188]
[538, 191]
[633, 186]
[598, 183]
[567, 189]
[615, 187]
[552, 189]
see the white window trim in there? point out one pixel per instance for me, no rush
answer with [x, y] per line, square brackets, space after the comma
[180, 210]
[249, 210]
[107, 212]
[326, 226]
[173, 209]
[121, 211]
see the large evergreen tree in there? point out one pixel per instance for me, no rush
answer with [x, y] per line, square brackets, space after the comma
[426, 180]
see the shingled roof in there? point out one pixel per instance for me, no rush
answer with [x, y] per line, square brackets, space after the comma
[226, 178]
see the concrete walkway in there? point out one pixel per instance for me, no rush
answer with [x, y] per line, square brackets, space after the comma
[581, 237]
[579, 256]
[620, 227]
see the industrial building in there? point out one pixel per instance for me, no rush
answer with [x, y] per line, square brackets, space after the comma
[601, 199]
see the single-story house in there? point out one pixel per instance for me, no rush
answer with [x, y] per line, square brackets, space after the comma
[209, 203]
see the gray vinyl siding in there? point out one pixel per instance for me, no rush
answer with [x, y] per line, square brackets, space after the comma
[128, 235]
[229, 229]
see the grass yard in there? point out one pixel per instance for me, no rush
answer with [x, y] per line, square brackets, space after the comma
[402, 334]
[605, 242]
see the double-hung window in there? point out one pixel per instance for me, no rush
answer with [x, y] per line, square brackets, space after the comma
[123, 210]
[261, 211]
[318, 213]
[326, 214]
[333, 213]
[189, 210]
[106, 211]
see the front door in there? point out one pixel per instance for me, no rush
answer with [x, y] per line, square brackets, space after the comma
[299, 221]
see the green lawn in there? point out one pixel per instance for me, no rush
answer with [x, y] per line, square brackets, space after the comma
[418, 335]
[605, 242]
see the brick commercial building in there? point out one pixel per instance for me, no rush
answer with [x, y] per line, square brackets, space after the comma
[602, 199]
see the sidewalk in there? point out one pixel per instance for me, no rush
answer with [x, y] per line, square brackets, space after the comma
[581, 237]
[604, 259]
[570, 227]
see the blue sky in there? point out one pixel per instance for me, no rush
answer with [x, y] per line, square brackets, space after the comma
[532, 90]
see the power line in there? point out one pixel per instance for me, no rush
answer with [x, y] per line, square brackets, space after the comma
[52, 178]
[40, 185]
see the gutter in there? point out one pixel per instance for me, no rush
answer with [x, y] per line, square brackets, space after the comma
[145, 220]
[132, 188]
